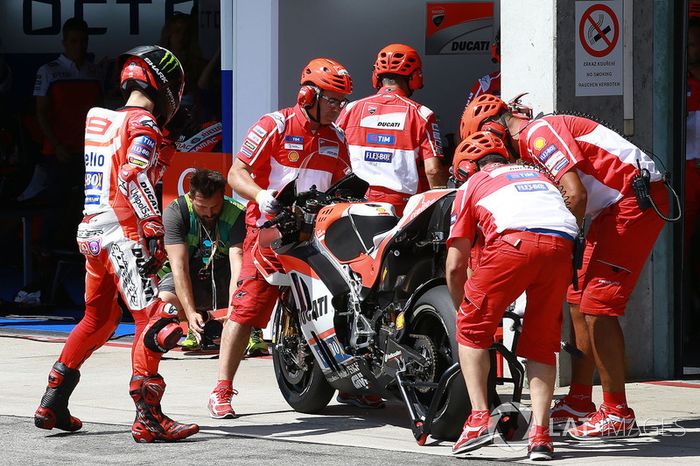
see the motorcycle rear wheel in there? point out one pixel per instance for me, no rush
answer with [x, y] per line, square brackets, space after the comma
[434, 317]
[304, 388]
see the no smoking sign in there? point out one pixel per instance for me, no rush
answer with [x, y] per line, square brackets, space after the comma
[598, 48]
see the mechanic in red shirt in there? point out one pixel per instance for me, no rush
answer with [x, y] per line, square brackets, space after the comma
[121, 237]
[394, 142]
[528, 234]
[595, 167]
[274, 153]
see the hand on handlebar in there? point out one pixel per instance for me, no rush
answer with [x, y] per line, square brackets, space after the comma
[267, 202]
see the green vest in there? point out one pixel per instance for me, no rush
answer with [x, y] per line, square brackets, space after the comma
[229, 214]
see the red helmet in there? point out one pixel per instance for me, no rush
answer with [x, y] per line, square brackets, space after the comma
[472, 149]
[399, 59]
[328, 75]
[481, 113]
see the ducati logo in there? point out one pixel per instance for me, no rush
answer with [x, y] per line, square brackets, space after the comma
[372, 110]
[438, 16]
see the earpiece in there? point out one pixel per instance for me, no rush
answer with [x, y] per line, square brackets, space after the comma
[466, 169]
[308, 95]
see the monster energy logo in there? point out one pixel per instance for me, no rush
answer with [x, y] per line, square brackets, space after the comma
[170, 62]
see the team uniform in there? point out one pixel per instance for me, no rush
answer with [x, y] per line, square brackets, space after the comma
[280, 147]
[621, 235]
[389, 138]
[487, 84]
[528, 234]
[72, 92]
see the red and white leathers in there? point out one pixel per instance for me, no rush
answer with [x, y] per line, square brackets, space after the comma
[389, 138]
[528, 233]
[487, 84]
[691, 211]
[125, 156]
[621, 235]
[280, 147]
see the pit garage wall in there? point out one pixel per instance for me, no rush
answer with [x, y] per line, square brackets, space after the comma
[540, 59]
[354, 31]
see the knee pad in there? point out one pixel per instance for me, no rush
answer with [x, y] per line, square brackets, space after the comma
[163, 335]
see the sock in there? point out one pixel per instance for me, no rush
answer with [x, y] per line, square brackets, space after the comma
[616, 400]
[224, 384]
[581, 392]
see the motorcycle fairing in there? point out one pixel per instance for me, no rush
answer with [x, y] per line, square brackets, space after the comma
[368, 266]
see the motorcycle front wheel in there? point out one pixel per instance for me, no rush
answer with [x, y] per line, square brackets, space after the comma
[298, 374]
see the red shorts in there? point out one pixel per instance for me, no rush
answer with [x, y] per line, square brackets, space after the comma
[254, 298]
[618, 243]
[540, 265]
[379, 194]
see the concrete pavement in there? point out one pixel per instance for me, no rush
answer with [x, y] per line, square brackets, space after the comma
[668, 415]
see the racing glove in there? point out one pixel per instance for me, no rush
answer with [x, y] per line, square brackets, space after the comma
[153, 233]
[267, 202]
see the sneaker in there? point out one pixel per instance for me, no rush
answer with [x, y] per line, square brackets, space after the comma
[570, 410]
[220, 402]
[607, 423]
[361, 401]
[190, 343]
[476, 434]
[541, 447]
[256, 345]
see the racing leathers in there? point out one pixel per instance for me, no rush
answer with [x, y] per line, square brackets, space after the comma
[121, 237]
[389, 138]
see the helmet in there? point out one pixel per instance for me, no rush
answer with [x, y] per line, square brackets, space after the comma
[398, 59]
[327, 74]
[156, 72]
[474, 148]
[479, 115]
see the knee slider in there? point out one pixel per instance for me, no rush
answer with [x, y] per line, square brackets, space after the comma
[163, 335]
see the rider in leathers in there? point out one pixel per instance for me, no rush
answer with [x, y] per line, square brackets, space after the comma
[121, 237]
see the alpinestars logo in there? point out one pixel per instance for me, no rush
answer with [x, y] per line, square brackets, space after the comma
[169, 62]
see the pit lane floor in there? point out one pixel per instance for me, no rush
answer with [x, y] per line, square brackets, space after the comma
[268, 431]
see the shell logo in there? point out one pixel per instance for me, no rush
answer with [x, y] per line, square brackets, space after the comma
[293, 156]
[539, 143]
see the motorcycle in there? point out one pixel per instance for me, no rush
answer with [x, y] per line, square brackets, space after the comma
[363, 303]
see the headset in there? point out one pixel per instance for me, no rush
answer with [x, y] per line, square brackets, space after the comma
[308, 95]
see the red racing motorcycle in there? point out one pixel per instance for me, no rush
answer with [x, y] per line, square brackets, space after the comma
[363, 305]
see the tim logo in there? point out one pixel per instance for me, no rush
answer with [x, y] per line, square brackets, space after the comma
[386, 139]
[93, 180]
[521, 175]
[378, 156]
[294, 139]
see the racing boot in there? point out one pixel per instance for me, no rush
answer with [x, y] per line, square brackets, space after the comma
[151, 425]
[53, 410]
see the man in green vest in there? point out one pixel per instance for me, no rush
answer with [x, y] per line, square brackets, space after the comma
[204, 233]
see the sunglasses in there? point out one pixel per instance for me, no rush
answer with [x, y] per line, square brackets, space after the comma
[335, 102]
